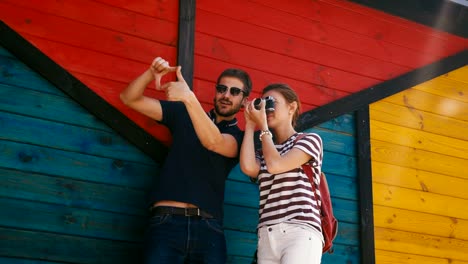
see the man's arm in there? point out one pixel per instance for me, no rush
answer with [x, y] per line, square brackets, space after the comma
[207, 132]
[133, 96]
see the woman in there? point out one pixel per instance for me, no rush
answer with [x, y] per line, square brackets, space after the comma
[289, 229]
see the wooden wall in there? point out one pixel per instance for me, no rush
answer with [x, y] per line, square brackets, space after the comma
[325, 49]
[340, 167]
[71, 189]
[419, 141]
[105, 43]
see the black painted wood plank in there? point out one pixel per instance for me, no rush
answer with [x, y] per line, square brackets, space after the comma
[365, 186]
[442, 15]
[186, 47]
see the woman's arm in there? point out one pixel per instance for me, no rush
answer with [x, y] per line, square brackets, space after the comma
[248, 162]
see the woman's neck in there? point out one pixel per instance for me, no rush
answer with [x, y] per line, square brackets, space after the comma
[283, 133]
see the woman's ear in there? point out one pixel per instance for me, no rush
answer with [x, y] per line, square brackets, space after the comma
[293, 107]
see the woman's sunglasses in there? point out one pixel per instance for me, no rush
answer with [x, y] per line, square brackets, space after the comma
[221, 88]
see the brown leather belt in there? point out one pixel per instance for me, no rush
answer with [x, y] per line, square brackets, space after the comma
[164, 210]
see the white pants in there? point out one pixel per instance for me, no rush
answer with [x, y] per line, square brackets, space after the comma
[287, 243]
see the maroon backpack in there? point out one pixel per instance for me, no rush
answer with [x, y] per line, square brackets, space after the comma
[329, 222]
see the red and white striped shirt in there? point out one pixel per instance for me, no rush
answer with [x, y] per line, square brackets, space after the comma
[289, 196]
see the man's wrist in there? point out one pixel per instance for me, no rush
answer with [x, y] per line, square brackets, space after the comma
[190, 99]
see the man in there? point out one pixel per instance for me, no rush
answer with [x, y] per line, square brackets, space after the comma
[187, 199]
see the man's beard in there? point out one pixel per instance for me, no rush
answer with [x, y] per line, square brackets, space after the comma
[227, 113]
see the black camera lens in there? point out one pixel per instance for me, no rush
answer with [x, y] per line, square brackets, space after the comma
[257, 103]
[269, 103]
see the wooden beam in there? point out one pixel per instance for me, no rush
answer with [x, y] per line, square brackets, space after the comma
[365, 186]
[185, 51]
[442, 15]
[376, 93]
[58, 76]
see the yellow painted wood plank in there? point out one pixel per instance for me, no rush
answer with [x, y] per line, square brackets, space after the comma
[389, 257]
[428, 102]
[418, 159]
[418, 119]
[418, 139]
[460, 74]
[417, 222]
[420, 244]
[419, 180]
[424, 202]
[446, 87]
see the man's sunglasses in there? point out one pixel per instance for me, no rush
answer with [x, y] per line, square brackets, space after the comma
[221, 88]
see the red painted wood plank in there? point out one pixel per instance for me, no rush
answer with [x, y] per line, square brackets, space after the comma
[375, 24]
[280, 65]
[164, 9]
[315, 26]
[208, 69]
[83, 35]
[89, 62]
[105, 16]
[295, 47]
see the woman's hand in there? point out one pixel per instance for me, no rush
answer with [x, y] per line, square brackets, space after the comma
[256, 116]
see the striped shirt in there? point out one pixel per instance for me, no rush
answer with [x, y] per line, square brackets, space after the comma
[289, 196]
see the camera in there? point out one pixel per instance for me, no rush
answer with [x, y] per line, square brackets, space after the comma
[269, 103]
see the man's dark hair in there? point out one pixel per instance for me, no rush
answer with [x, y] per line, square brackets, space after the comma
[239, 74]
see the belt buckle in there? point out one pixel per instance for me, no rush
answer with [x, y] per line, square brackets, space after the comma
[187, 210]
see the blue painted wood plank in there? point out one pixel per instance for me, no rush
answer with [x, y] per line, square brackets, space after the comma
[344, 123]
[346, 210]
[22, 101]
[32, 215]
[337, 142]
[239, 259]
[342, 187]
[339, 164]
[68, 137]
[16, 73]
[240, 243]
[241, 193]
[240, 218]
[5, 260]
[74, 165]
[348, 234]
[63, 248]
[342, 254]
[73, 193]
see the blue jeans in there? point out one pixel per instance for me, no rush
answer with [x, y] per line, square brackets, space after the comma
[174, 239]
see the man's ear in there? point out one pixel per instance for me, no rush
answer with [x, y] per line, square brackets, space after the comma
[245, 101]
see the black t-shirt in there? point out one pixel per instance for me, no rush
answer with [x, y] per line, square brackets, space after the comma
[191, 173]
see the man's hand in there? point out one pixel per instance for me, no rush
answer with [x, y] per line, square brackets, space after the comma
[159, 68]
[179, 90]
